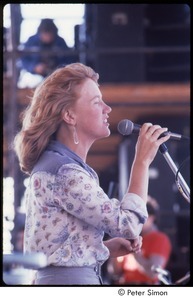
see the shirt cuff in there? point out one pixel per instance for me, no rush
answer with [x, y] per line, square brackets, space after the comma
[136, 204]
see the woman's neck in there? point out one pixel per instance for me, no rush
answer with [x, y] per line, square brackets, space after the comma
[65, 136]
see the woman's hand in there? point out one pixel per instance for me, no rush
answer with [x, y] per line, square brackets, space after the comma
[119, 246]
[148, 142]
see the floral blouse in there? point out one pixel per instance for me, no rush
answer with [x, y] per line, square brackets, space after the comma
[67, 212]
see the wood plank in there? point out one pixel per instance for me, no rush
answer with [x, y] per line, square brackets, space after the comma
[118, 93]
[133, 113]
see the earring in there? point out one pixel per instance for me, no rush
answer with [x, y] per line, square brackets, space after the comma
[75, 136]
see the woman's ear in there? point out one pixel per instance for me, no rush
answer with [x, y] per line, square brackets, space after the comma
[69, 116]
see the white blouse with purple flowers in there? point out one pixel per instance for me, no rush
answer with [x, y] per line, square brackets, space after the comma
[67, 212]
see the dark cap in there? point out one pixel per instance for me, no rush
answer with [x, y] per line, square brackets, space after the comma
[47, 25]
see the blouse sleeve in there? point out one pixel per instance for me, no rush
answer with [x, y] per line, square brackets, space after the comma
[80, 195]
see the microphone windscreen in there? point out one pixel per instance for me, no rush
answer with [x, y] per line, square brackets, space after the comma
[125, 127]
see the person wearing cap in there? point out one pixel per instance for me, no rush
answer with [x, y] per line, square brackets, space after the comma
[44, 50]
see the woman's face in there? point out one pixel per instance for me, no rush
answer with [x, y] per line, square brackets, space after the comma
[91, 113]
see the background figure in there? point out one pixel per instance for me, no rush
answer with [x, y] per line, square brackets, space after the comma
[156, 249]
[47, 56]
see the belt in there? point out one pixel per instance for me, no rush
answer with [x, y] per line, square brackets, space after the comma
[96, 268]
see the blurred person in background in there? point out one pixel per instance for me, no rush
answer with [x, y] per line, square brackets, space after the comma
[46, 55]
[138, 268]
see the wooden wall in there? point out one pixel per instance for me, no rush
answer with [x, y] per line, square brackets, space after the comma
[127, 102]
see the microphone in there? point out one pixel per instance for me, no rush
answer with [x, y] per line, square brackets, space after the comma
[159, 270]
[126, 127]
